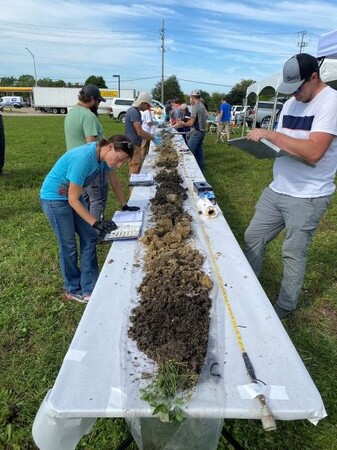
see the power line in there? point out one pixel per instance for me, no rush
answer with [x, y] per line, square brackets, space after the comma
[68, 30]
[204, 82]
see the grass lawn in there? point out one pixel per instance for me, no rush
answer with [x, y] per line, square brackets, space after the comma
[36, 325]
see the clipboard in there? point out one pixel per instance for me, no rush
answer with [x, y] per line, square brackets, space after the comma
[141, 179]
[129, 226]
[264, 149]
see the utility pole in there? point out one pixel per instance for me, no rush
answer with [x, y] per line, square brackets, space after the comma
[302, 44]
[33, 56]
[162, 33]
[119, 84]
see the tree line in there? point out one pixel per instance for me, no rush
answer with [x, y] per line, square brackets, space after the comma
[29, 81]
[172, 89]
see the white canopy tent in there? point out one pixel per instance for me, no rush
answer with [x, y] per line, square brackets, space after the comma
[326, 48]
[328, 72]
[270, 84]
[327, 45]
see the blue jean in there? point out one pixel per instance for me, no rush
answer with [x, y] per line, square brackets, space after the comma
[66, 224]
[195, 145]
[300, 218]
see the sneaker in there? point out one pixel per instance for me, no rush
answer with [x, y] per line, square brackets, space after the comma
[86, 297]
[281, 312]
[77, 297]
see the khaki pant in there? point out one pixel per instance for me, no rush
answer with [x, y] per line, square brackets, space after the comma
[300, 218]
[223, 126]
[145, 148]
[135, 163]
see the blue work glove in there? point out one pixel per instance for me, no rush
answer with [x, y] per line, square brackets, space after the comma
[104, 227]
[130, 208]
[157, 139]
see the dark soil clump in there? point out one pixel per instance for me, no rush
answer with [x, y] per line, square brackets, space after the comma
[171, 321]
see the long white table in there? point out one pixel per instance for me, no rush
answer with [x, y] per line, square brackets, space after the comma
[99, 376]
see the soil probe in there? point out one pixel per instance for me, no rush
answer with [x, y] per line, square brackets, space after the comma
[267, 419]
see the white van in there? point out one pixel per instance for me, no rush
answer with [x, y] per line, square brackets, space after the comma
[12, 101]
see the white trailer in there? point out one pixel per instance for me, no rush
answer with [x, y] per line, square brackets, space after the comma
[55, 100]
[59, 100]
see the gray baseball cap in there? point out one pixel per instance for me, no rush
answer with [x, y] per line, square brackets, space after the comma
[143, 97]
[195, 93]
[90, 90]
[296, 70]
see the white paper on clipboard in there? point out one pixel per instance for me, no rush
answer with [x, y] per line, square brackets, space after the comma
[129, 225]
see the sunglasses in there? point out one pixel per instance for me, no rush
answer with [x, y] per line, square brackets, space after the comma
[130, 145]
[298, 90]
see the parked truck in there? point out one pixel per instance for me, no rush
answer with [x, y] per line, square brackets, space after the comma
[59, 100]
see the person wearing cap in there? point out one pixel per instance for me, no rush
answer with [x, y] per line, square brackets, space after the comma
[197, 122]
[224, 120]
[82, 126]
[134, 130]
[299, 194]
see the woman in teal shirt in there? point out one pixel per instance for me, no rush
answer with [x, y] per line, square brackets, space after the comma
[68, 215]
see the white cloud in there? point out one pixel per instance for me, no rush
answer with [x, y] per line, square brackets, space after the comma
[210, 42]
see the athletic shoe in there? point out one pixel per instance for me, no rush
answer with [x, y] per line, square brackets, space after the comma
[77, 297]
[281, 312]
[86, 297]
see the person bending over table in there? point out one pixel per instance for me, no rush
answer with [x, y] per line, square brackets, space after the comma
[63, 204]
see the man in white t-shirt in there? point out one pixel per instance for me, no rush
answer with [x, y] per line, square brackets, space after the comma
[299, 194]
[147, 125]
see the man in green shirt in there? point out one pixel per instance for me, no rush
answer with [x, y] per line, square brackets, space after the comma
[82, 126]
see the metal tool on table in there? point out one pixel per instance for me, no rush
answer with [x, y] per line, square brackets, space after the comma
[267, 419]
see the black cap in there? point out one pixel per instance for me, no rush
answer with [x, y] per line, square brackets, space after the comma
[296, 70]
[90, 90]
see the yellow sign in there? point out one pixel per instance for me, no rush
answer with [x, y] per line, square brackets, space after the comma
[108, 93]
[15, 89]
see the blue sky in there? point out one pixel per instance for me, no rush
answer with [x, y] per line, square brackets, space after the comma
[210, 44]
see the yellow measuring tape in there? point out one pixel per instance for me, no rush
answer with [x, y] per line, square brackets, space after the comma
[267, 418]
[215, 266]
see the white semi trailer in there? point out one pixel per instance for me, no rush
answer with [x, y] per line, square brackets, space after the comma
[59, 100]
